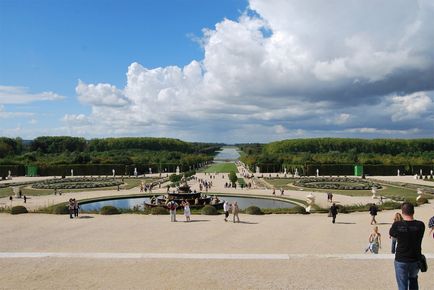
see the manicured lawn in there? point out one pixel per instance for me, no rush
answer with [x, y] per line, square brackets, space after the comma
[225, 167]
[387, 190]
[27, 190]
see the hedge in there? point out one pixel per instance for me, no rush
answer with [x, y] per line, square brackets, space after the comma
[209, 210]
[19, 209]
[109, 210]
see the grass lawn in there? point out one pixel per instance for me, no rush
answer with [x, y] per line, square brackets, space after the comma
[225, 167]
[387, 190]
[27, 190]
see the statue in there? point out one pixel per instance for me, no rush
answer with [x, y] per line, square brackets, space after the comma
[150, 170]
[310, 201]
[72, 172]
[177, 170]
[9, 175]
[284, 172]
[257, 170]
[114, 173]
[317, 172]
[398, 173]
[419, 194]
[135, 172]
[374, 192]
[296, 173]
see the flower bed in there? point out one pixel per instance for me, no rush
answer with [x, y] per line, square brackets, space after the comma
[76, 183]
[339, 183]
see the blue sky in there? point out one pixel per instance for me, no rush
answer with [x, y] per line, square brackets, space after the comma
[231, 71]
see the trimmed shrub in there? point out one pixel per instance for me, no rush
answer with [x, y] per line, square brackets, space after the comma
[340, 183]
[254, 210]
[298, 209]
[60, 209]
[389, 205]
[19, 209]
[109, 210]
[76, 183]
[209, 210]
[159, 210]
[422, 200]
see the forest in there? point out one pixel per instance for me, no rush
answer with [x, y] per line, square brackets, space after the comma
[142, 152]
[408, 155]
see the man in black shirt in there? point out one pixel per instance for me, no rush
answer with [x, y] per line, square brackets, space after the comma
[409, 233]
[373, 209]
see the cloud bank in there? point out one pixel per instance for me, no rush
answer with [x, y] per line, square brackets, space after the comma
[284, 69]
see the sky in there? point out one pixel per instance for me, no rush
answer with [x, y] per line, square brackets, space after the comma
[217, 71]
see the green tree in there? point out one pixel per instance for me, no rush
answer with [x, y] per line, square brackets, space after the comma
[233, 177]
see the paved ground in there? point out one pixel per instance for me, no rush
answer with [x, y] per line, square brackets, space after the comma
[316, 253]
[39, 251]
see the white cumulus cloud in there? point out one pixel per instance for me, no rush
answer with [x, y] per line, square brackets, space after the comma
[289, 66]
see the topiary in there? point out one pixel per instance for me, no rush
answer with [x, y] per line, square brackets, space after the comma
[159, 210]
[109, 210]
[60, 209]
[299, 209]
[209, 210]
[254, 210]
[19, 209]
[422, 200]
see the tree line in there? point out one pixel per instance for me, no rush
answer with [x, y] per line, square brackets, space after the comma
[320, 151]
[52, 150]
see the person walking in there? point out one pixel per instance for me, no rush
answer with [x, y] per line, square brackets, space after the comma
[172, 205]
[235, 211]
[397, 218]
[374, 241]
[333, 212]
[226, 207]
[187, 212]
[431, 226]
[25, 199]
[409, 234]
[373, 209]
[71, 208]
[76, 208]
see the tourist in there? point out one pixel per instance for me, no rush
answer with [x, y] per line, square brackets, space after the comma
[76, 208]
[281, 191]
[226, 210]
[333, 212]
[71, 208]
[172, 205]
[431, 226]
[274, 191]
[25, 199]
[187, 213]
[374, 241]
[409, 233]
[397, 218]
[373, 209]
[235, 211]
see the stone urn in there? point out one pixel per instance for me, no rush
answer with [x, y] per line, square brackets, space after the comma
[310, 198]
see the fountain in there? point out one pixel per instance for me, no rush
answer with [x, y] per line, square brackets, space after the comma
[183, 192]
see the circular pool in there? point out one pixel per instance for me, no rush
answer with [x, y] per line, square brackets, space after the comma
[134, 202]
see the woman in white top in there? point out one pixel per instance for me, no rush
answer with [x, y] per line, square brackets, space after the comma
[187, 213]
